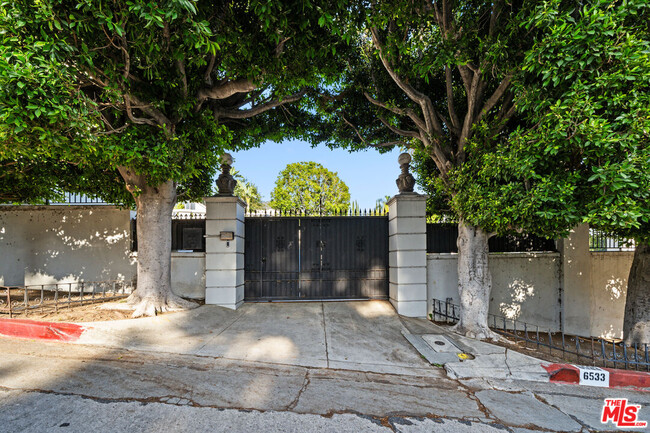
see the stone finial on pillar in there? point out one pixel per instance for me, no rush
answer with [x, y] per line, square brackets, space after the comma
[225, 182]
[405, 181]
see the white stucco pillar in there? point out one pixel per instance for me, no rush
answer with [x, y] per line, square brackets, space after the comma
[407, 254]
[224, 251]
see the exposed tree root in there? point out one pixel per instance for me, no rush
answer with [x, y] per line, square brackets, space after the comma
[482, 333]
[152, 305]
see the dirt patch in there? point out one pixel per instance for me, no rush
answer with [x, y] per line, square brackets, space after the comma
[90, 311]
[74, 313]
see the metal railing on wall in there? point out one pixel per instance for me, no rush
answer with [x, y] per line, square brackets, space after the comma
[352, 212]
[441, 238]
[595, 351]
[23, 299]
[71, 199]
[603, 241]
[188, 233]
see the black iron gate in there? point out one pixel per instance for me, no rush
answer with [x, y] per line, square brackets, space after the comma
[307, 258]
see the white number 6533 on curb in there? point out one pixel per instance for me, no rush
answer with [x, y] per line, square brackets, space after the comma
[593, 376]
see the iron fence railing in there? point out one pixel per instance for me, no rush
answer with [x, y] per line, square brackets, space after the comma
[441, 238]
[351, 212]
[602, 241]
[595, 351]
[70, 198]
[22, 299]
[188, 216]
[188, 233]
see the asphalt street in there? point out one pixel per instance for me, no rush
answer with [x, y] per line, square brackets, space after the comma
[60, 387]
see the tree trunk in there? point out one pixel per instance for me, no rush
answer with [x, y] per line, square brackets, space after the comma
[636, 324]
[474, 282]
[154, 207]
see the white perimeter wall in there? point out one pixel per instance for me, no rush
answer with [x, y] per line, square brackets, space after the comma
[609, 273]
[61, 244]
[528, 287]
[525, 286]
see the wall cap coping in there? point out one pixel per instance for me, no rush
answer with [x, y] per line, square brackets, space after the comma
[225, 199]
[58, 207]
[198, 254]
[612, 253]
[407, 196]
[201, 254]
[521, 255]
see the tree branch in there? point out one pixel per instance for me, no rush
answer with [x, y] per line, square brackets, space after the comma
[399, 111]
[491, 102]
[395, 110]
[180, 66]
[159, 118]
[407, 88]
[280, 47]
[469, 116]
[450, 99]
[465, 75]
[402, 132]
[494, 16]
[430, 119]
[208, 70]
[385, 144]
[225, 90]
[356, 131]
[258, 109]
[129, 113]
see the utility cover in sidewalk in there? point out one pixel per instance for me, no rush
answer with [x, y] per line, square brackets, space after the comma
[430, 350]
[440, 343]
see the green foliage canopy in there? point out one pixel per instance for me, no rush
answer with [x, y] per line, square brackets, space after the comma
[585, 92]
[159, 87]
[426, 75]
[309, 187]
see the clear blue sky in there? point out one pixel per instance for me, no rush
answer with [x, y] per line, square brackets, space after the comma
[368, 174]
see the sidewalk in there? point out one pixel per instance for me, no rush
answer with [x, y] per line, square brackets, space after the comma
[366, 336]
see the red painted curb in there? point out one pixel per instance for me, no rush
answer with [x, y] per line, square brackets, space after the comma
[567, 373]
[34, 329]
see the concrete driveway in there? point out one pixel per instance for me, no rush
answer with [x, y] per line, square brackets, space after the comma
[359, 335]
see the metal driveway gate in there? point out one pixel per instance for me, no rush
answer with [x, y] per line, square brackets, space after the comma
[307, 258]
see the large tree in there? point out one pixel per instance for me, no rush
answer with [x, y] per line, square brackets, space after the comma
[309, 187]
[435, 76]
[585, 89]
[150, 93]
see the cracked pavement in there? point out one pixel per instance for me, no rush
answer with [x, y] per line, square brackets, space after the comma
[79, 388]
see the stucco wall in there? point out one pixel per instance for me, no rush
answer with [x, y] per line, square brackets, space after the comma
[609, 273]
[62, 244]
[525, 286]
[53, 244]
[188, 275]
[529, 286]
